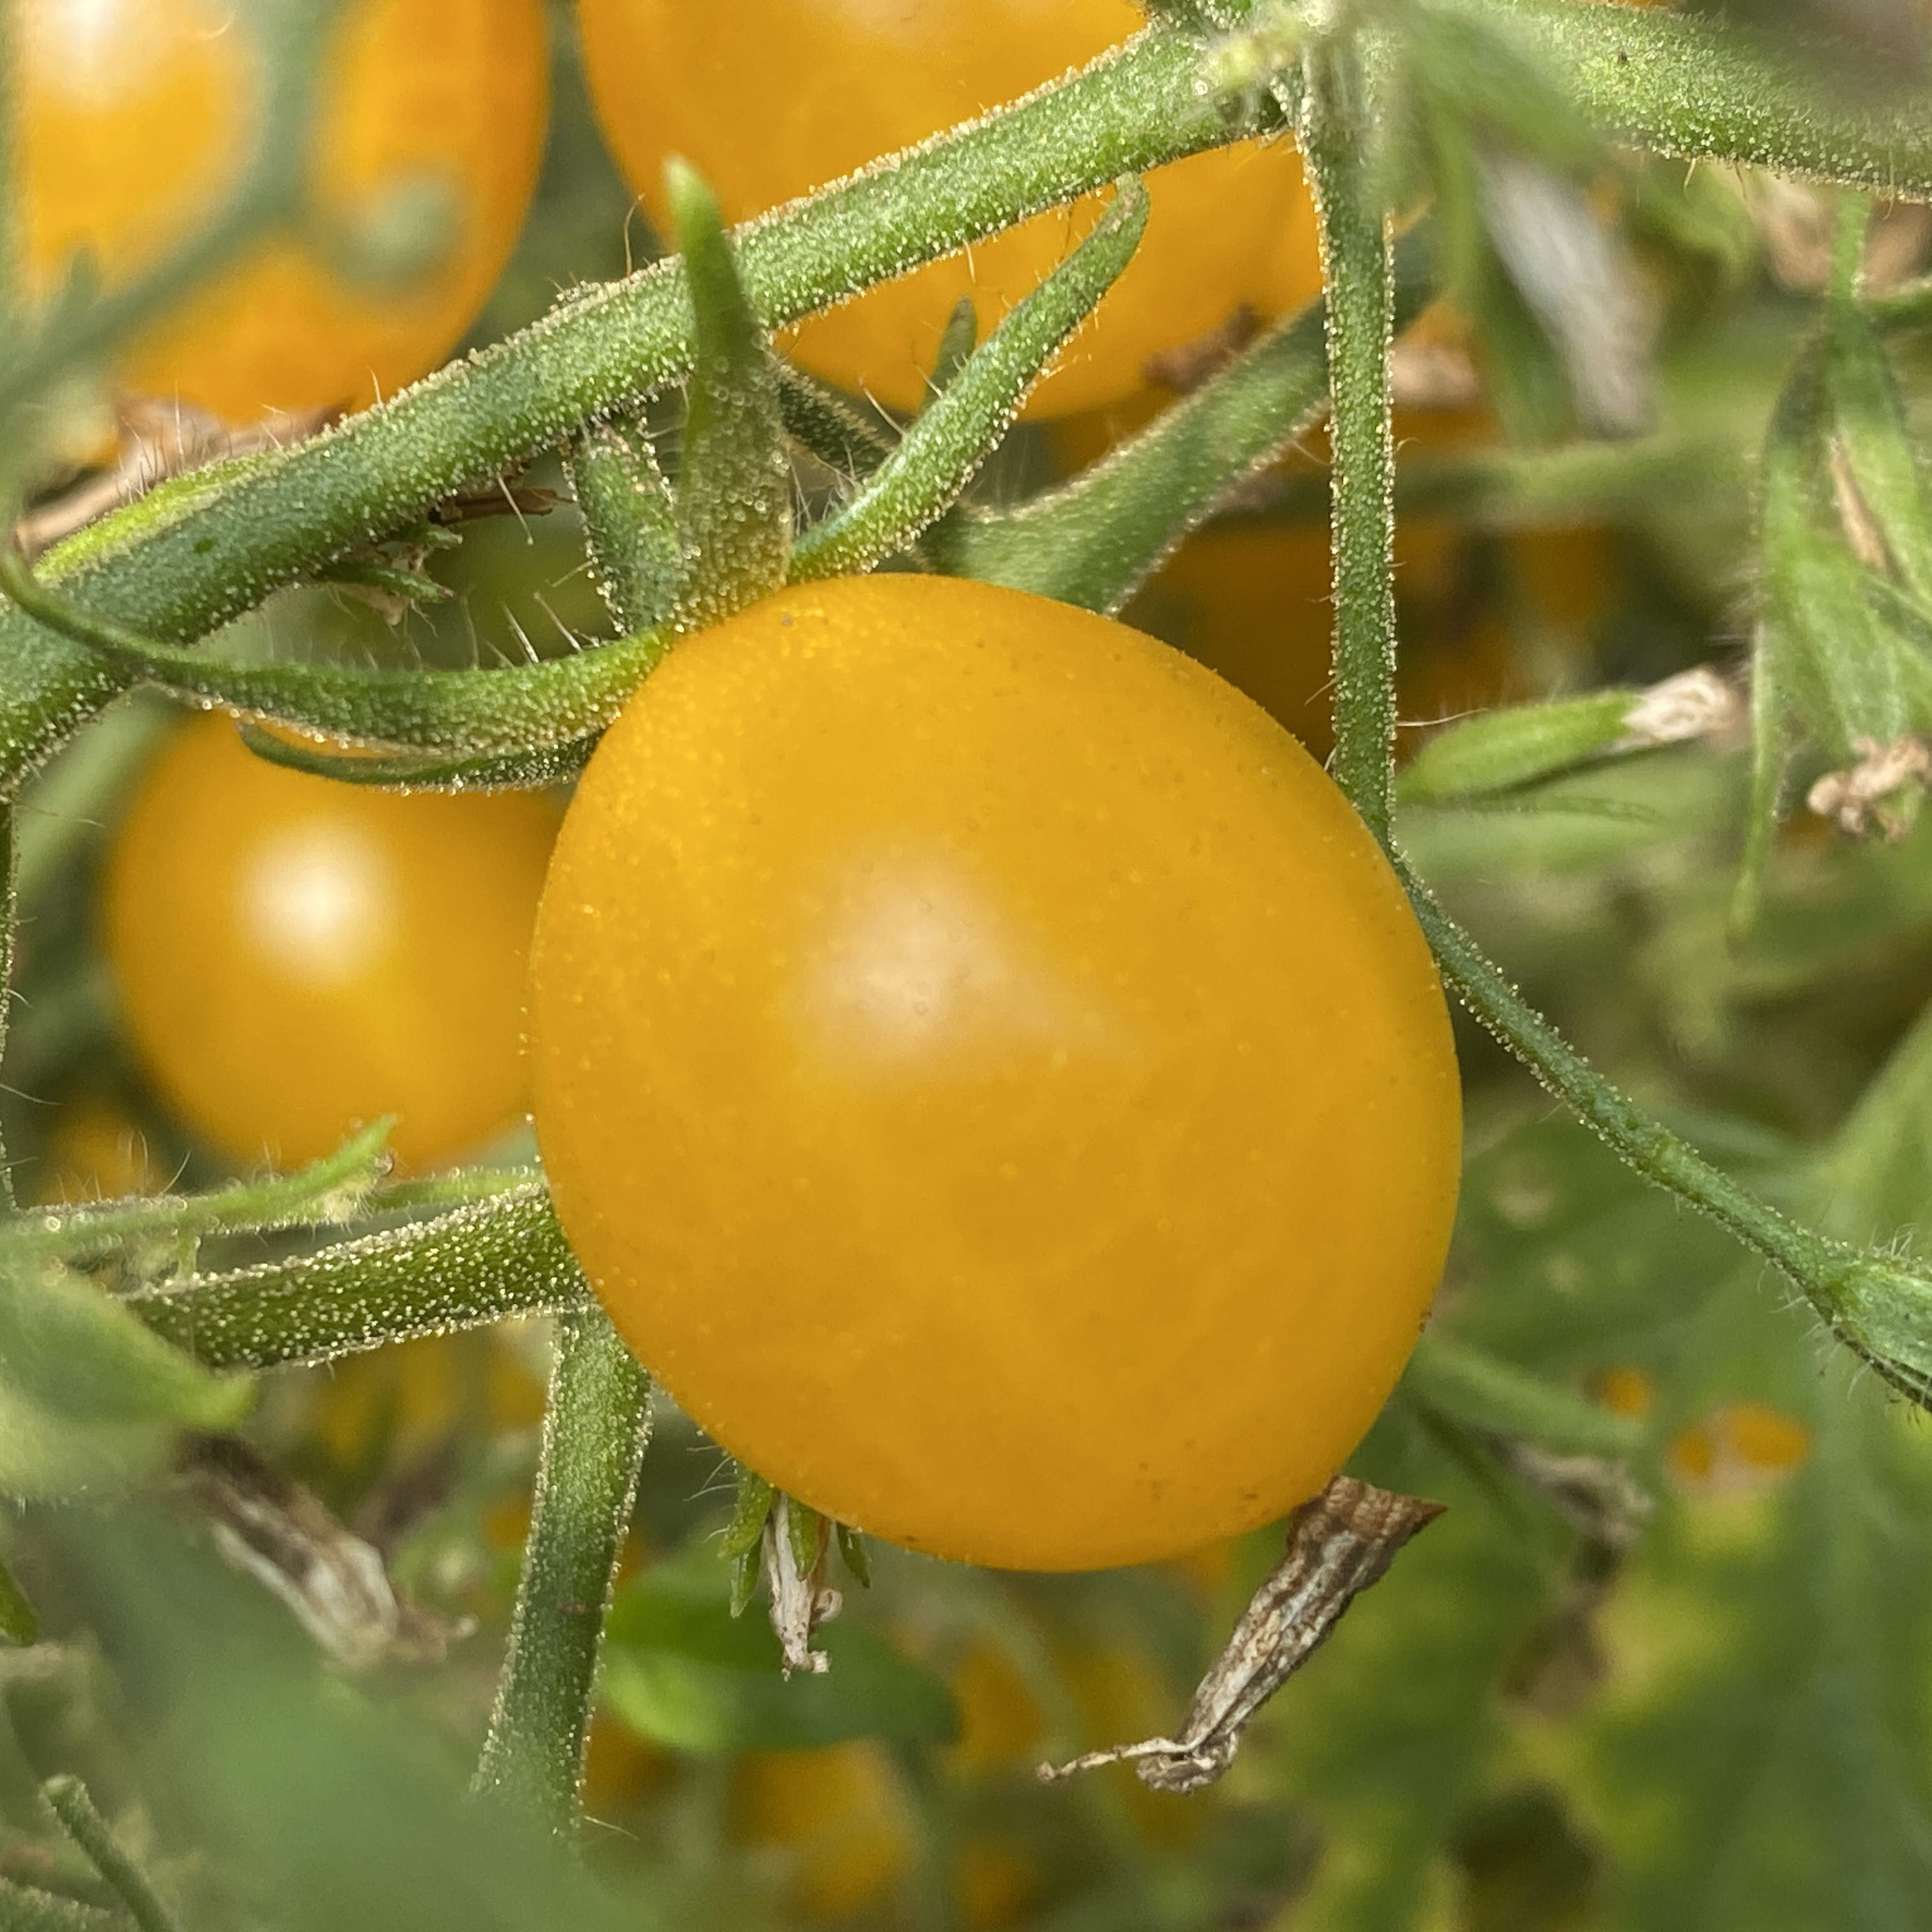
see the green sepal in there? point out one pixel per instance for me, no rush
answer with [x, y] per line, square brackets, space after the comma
[946, 443]
[1093, 541]
[956, 343]
[519, 771]
[630, 524]
[747, 1567]
[856, 1557]
[821, 422]
[1496, 750]
[1837, 667]
[1771, 758]
[734, 487]
[806, 1529]
[753, 1503]
[18, 1623]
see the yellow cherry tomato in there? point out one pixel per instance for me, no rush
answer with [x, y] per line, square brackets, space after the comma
[990, 1074]
[134, 116]
[771, 98]
[295, 955]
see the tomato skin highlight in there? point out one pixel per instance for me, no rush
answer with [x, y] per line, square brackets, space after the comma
[772, 98]
[294, 956]
[990, 1075]
[134, 115]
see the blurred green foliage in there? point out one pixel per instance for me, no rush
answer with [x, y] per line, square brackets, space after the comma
[1694, 1693]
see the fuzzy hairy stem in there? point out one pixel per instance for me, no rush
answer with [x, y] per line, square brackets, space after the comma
[1878, 1307]
[1358, 268]
[595, 1428]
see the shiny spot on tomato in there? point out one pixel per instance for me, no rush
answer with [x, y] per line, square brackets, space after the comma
[294, 955]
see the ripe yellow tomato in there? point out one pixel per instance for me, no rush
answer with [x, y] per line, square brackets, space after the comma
[771, 98]
[990, 1075]
[294, 955]
[134, 115]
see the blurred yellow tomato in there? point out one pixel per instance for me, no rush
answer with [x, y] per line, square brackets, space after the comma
[134, 115]
[771, 98]
[95, 1150]
[295, 955]
[836, 1815]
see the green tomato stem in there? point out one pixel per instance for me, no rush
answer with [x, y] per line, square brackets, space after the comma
[479, 1264]
[594, 1430]
[68, 1799]
[1879, 1307]
[1357, 264]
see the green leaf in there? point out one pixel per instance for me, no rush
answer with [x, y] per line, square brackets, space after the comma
[1869, 418]
[938, 455]
[734, 488]
[90, 1400]
[1516, 745]
[1485, 1393]
[18, 1623]
[1763, 1766]
[630, 524]
[503, 1256]
[679, 1669]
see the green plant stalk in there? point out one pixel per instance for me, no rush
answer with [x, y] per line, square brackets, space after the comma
[595, 1428]
[67, 1798]
[480, 1264]
[1879, 1307]
[1357, 264]
[327, 1190]
[18, 1623]
[1686, 84]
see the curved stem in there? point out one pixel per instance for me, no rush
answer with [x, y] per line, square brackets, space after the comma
[1357, 263]
[1874, 1304]
[67, 1798]
[595, 1428]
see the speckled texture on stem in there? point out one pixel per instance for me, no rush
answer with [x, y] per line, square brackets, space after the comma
[595, 1428]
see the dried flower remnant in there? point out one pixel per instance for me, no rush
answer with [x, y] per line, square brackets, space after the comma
[1879, 795]
[1337, 1546]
